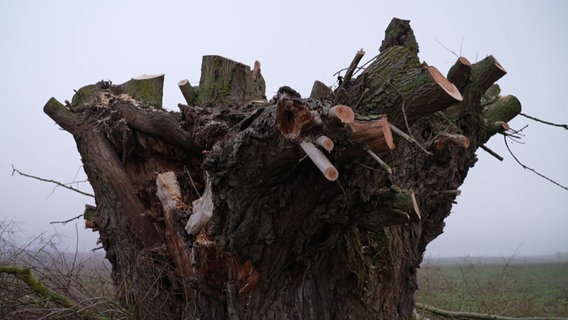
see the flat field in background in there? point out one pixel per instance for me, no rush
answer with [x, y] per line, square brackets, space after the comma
[520, 287]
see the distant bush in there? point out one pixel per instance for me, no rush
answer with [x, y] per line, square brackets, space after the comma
[37, 280]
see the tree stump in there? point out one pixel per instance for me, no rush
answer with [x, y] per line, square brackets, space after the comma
[224, 81]
[242, 208]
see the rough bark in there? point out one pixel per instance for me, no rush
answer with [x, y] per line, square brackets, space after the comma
[267, 235]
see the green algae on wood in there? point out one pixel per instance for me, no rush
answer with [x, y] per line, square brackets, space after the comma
[225, 81]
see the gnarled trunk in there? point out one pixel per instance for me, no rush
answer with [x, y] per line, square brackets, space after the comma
[241, 208]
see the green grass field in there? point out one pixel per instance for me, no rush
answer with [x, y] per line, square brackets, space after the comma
[507, 287]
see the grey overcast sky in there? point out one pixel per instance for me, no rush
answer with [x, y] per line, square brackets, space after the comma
[49, 48]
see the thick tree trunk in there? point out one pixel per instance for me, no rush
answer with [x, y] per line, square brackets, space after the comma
[230, 209]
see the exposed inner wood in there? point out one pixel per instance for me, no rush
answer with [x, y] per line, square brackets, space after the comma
[320, 160]
[169, 193]
[202, 211]
[325, 142]
[291, 117]
[374, 133]
[446, 138]
[343, 113]
[449, 87]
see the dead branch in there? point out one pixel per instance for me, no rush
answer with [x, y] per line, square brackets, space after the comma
[43, 291]
[491, 152]
[349, 74]
[66, 221]
[14, 170]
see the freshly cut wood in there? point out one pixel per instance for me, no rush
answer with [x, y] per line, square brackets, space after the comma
[406, 90]
[187, 91]
[146, 88]
[292, 116]
[325, 142]
[448, 87]
[320, 90]
[449, 138]
[202, 211]
[320, 160]
[341, 112]
[169, 193]
[459, 73]
[374, 133]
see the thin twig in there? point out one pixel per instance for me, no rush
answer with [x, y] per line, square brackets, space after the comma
[408, 138]
[451, 51]
[565, 126]
[66, 221]
[191, 180]
[531, 169]
[14, 170]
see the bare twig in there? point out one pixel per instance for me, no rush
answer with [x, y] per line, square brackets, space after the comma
[565, 126]
[408, 138]
[191, 180]
[450, 50]
[14, 170]
[531, 169]
[67, 221]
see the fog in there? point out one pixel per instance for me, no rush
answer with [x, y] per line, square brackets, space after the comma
[50, 48]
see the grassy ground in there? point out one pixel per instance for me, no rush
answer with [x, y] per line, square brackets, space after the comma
[509, 287]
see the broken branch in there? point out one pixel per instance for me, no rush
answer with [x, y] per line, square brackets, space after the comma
[169, 193]
[349, 74]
